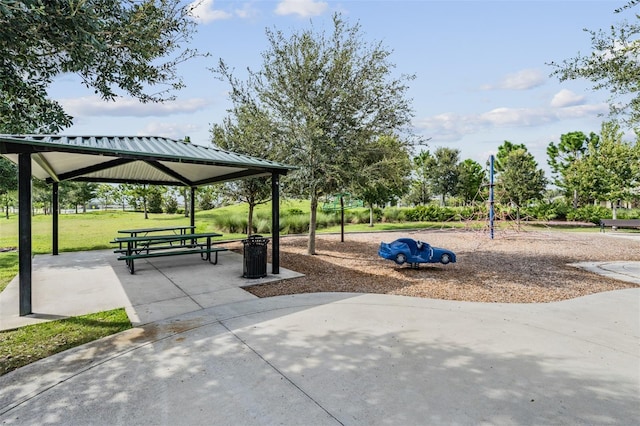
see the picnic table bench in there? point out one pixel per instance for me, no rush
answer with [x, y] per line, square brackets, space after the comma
[619, 223]
[149, 246]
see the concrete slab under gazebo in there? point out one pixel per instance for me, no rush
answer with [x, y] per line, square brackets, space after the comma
[123, 159]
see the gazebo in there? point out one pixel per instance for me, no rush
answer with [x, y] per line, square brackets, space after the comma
[123, 159]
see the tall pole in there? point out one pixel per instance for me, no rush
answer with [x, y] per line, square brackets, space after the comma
[275, 223]
[54, 215]
[491, 201]
[192, 207]
[24, 233]
[341, 218]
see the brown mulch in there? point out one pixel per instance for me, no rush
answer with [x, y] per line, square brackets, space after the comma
[514, 267]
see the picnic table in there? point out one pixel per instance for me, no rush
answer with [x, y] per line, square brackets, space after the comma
[177, 229]
[149, 246]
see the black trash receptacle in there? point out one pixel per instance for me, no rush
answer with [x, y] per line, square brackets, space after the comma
[255, 256]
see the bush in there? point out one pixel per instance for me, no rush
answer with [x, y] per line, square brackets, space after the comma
[393, 214]
[170, 205]
[543, 210]
[589, 213]
[231, 223]
[431, 213]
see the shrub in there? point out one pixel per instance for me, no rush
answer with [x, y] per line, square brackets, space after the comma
[393, 214]
[589, 213]
[170, 205]
[544, 210]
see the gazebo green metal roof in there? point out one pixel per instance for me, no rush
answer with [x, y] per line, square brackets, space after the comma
[132, 159]
[123, 159]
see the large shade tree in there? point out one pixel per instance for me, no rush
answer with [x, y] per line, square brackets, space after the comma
[330, 95]
[115, 46]
[612, 65]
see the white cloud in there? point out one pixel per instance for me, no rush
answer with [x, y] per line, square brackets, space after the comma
[170, 130]
[302, 8]
[450, 127]
[565, 98]
[203, 11]
[129, 107]
[508, 117]
[522, 80]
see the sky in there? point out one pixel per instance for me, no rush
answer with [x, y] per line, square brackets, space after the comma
[482, 69]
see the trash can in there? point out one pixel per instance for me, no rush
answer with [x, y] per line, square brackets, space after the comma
[255, 256]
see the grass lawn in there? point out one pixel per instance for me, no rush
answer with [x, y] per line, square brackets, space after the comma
[28, 344]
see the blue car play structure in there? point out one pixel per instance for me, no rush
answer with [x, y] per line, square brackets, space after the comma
[408, 250]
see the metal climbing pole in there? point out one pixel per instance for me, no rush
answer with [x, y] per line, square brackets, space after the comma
[491, 160]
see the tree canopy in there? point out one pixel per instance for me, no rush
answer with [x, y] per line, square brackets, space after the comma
[612, 65]
[115, 46]
[329, 96]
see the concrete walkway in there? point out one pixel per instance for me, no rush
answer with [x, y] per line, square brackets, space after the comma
[325, 359]
[201, 354]
[80, 283]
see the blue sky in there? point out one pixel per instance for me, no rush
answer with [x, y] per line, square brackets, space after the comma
[481, 68]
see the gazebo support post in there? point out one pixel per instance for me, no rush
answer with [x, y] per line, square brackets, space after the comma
[192, 208]
[54, 215]
[24, 232]
[275, 223]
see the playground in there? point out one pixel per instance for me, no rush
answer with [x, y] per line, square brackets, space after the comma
[514, 267]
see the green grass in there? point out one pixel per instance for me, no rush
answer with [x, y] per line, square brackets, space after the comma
[28, 344]
[8, 268]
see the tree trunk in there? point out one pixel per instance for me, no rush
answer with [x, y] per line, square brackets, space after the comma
[185, 195]
[575, 198]
[311, 246]
[371, 215]
[144, 206]
[250, 219]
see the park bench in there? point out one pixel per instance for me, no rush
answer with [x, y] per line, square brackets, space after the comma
[619, 223]
[150, 246]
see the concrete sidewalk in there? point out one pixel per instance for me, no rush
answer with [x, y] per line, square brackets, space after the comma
[204, 351]
[353, 359]
[80, 283]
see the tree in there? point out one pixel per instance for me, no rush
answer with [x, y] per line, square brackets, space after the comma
[80, 193]
[155, 198]
[208, 197]
[8, 183]
[503, 152]
[247, 130]
[571, 148]
[520, 178]
[612, 65]
[384, 172]
[420, 192]
[471, 176]
[115, 46]
[443, 174]
[610, 169]
[328, 96]
[138, 196]
[104, 193]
